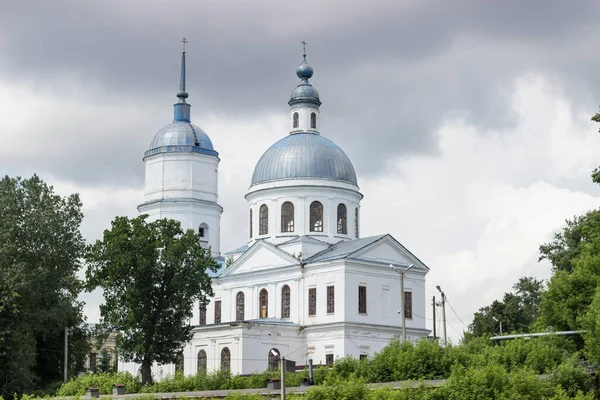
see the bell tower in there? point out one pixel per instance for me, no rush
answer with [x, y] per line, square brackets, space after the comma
[181, 174]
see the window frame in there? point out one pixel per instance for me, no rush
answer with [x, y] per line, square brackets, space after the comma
[263, 220]
[408, 314]
[329, 360]
[225, 359]
[287, 217]
[240, 303]
[179, 363]
[202, 316]
[285, 301]
[273, 359]
[312, 302]
[356, 222]
[317, 214]
[218, 311]
[330, 299]
[263, 297]
[362, 299]
[342, 219]
[202, 362]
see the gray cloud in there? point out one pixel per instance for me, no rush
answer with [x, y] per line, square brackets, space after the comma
[385, 70]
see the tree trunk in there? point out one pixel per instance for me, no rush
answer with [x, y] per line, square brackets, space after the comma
[147, 372]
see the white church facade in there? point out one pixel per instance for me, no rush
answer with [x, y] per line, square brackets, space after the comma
[306, 285]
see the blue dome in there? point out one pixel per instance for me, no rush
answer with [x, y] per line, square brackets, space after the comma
[181, 136]
[304, 93]
[304, 156]
[304, 71]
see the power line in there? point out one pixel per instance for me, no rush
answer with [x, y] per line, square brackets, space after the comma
[452, 308]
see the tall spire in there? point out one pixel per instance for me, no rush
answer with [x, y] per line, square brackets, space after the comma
[182, 109]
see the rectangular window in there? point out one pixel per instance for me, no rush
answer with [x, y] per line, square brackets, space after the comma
[330, 299]
[202, 315]
[312, 301]
[408, 305]
[93, 362]
[329, 360]
[218, 312]
[363, 357]
[362, 299]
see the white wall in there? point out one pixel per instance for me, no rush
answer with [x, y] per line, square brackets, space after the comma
[192, 180]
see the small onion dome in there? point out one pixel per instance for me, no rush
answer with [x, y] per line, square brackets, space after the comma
[304, 93]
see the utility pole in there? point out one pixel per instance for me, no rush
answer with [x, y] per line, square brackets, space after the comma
[402, 298]
[282, 378]
[66, 354]
[500, 322]
[443, 313]
[434, 333]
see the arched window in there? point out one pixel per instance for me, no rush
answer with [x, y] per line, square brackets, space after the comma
[250, 223]
[239, 306]
[313, 121]
[179, 363]
[316, 217]
[263, 223]
[225, 359]
[203, 232]
[296, 120]
[201, 362]
[263, 304]
[274, 357]
[356, 222]
[342, 219]
[285, 301]
[287, 217]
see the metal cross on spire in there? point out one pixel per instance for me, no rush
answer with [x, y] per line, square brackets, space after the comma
[184, 41]
[304, 47]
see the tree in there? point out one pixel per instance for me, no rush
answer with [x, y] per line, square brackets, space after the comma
[40, 251]
[570, 293]
[517, 311]
[151, 274]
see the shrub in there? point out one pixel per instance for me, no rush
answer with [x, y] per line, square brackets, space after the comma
[103, 381]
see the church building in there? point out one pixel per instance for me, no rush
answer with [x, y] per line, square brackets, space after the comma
[306, 285]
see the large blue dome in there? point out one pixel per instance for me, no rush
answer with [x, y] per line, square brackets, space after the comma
[304, 156]
[181, 136]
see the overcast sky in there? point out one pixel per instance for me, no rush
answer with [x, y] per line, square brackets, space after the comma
[468, 122]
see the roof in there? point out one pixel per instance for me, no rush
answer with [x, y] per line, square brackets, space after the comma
[181, 136]
[240, 249]
[222, 268]
[304, 155]
[303, 239]
[343, 249]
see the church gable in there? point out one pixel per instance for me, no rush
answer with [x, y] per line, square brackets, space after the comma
[260, 256]
[388, 251]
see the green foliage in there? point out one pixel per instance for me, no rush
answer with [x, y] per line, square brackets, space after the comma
[40, 251]
[339, 389]
[509, 370]
[103, 381]
[591, 323]
[151, 274]
[517, 311]
[570, 293]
